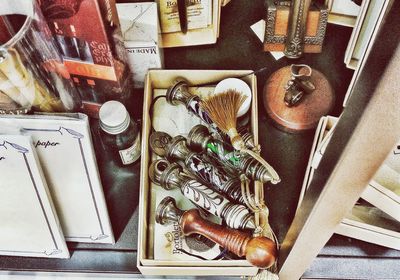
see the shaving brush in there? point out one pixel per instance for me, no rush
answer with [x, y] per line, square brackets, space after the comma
[178, 93]
[223, 109]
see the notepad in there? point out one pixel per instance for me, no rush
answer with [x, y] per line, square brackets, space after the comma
[64, 147]
[29, 224]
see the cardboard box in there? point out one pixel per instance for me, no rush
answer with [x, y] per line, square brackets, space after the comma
[324, 126]
[364, 32]
[200, 36]
[162, 79]
[225, 2]
[343, 12]
[378, 224]
[371, 225]
[89, 38]
[384, 191]
[362, 39]
[140, 31]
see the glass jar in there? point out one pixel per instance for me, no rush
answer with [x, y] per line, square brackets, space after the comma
[119, 134]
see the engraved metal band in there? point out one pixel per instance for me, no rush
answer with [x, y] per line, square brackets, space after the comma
[297, 24]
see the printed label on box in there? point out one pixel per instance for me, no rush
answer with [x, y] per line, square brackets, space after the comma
[197, 15]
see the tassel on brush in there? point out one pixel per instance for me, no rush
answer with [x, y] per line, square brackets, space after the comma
[223, 109]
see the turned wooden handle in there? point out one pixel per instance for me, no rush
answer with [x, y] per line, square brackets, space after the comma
[259, 251]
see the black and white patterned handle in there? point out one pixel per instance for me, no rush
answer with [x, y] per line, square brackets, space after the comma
[235, 215]
[215, 177]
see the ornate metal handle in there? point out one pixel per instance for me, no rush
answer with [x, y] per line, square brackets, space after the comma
[169, 176]
[179, 93]
[215, 177]
[235, 215]
[176, 149]
[200, 140]
[296, 30]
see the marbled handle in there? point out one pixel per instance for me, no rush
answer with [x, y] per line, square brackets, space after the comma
[235, 215]
[194, 107]
[216, 177]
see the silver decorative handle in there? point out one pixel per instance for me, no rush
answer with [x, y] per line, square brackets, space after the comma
[170, 176]
[176, 150]
[215, 177]
[200, 140]
[296, 28]
[235, 215]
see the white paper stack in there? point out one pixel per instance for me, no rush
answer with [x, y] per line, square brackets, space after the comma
[64, 147]
[29, 223]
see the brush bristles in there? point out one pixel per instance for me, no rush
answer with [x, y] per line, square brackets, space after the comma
[223, 108]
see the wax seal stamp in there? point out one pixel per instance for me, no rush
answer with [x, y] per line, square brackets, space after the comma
[259, 251]
[297, 96]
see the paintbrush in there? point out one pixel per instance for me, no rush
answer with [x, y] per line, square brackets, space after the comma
[182, 15]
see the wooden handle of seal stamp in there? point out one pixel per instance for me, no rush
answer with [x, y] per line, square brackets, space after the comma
[259, 251]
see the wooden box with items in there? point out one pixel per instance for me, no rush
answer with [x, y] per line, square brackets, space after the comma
[203, 168]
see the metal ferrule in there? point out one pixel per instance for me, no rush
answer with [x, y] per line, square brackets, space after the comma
[233, 190]
[167, 212]
[177, 149]
[237, 216]
[247, 137]
[178, 93]
[165, 174]
[253, 169]
[198, 138]
[171, 178]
